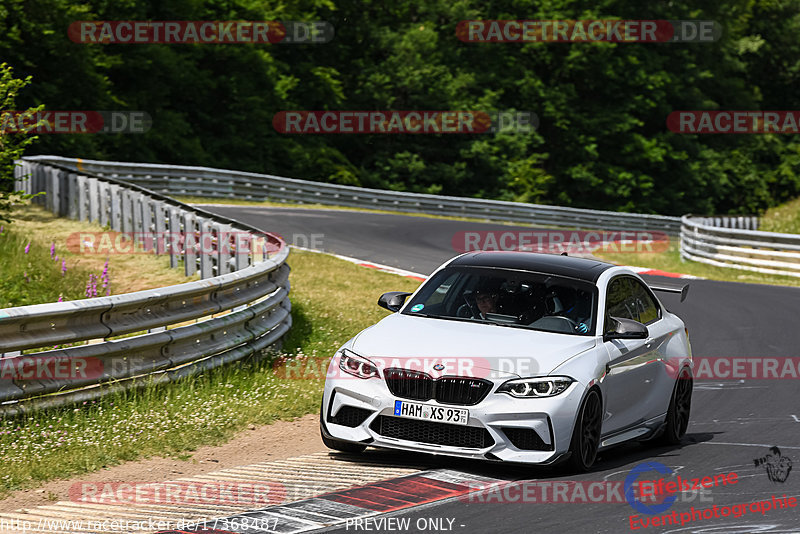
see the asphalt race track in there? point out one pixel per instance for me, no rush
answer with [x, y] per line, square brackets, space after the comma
[733, 422]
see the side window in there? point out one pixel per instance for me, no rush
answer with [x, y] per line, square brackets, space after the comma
[619, 300]
[646, 307]
[441, 292]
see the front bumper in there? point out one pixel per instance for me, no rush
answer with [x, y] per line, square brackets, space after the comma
[503, 417]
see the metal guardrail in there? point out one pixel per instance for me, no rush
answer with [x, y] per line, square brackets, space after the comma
[726, 242]
[240, 306]
[217, 183]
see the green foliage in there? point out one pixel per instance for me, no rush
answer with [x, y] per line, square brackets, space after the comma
[602, 107]
[12, 144]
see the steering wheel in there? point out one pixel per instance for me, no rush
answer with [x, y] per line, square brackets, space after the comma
[466, 310]
[572, 323]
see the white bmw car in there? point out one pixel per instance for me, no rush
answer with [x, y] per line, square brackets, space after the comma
[514, 356]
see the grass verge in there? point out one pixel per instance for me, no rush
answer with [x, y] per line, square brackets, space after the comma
[670, 261]
[36, 276]
[332, 300]
[784, 218]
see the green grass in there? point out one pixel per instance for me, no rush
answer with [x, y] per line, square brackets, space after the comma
[784, 218]
[670, 261]
[35, 277]
[331, 301]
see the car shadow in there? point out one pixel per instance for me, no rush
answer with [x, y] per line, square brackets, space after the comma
[623, 456]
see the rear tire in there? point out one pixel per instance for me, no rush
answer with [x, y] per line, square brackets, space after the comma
[586, 435]
[680, 406]
[339, 445]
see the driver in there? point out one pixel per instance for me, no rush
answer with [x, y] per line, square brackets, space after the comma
[486, 300]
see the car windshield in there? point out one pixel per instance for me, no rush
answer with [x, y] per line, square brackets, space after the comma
[506, 297]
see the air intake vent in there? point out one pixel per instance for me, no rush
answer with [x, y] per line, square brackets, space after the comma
[433, 433]
[526, 439]
[349, 416]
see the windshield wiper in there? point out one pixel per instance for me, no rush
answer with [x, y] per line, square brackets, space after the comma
[445, 317]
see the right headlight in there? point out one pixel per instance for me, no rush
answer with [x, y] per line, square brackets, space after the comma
[356, 365]
[542, 386]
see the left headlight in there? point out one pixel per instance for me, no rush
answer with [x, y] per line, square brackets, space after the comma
[356, 365]
[544, 386]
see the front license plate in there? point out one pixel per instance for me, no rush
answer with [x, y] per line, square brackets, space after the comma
[426, 412]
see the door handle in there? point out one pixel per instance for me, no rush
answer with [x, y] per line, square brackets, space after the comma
[648, 341]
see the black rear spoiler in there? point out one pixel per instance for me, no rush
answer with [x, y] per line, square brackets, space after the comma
[684, 290]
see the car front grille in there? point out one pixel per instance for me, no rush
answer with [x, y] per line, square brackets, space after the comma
[349, 416]
[433, 433]
[409, 384]
[465, 391]
[417, 385]
[526, 439]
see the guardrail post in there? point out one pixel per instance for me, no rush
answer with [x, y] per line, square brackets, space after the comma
[21, 168]
[242, 242]
[127, 211]
[100, 207]
[176, 237]
[52, 189]
[62, 177]
[160, 226]
[137, 216]
[40, 185]
[225, 260]
[73, 197]
[82, 185]
[189, 244]
[116, 207]
[206, 246]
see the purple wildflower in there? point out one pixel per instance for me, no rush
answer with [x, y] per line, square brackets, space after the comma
[61, 298]
[53, 250]
[104, 277]
[27, 247]
[63, 267]
[91, 286]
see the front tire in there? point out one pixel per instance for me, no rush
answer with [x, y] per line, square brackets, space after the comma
[586, 435]
[680, 406]
[338, 445]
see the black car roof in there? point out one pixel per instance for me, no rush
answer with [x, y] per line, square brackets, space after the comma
[580, 268]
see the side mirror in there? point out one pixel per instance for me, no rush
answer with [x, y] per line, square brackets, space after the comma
[393, 300]
[625, 329]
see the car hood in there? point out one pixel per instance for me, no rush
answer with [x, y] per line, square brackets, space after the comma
[464, 348]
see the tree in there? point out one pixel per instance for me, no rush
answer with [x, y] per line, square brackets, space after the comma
[12, 142]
